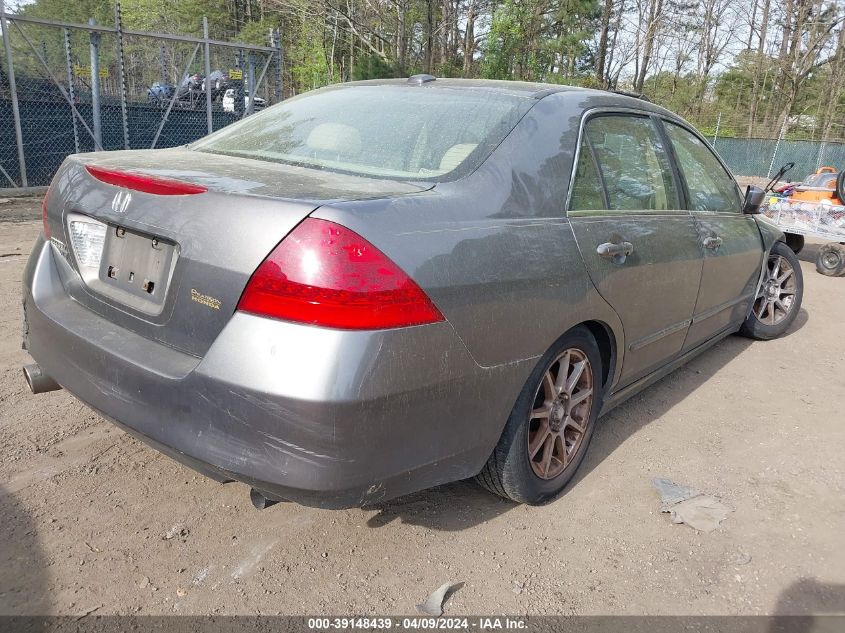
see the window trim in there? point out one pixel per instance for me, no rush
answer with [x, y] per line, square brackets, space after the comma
[592, 152]
[593, 113]
[677, 165]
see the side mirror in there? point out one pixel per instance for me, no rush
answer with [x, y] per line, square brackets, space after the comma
[754, 197]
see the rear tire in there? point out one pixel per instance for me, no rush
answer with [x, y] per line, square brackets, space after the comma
[778, 299]
[840, 187]
[551, 425]
[831, 260]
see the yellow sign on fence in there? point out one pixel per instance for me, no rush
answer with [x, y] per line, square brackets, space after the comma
[236, 74]
[85, 71]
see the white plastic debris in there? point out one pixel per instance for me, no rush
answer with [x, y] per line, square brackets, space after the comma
[434, 604]
[687, 505]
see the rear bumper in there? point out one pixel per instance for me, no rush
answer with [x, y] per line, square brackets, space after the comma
[322, 417]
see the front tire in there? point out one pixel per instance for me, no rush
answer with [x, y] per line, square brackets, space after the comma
[551, 424]
[778, 298]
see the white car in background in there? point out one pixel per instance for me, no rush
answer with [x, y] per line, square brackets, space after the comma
[229, 101]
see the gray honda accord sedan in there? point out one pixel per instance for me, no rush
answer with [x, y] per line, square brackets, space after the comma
[379, 287]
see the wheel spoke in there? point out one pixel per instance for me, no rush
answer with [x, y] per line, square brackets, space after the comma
[563, 371]
[577, 370]
[539, 439]
[775, 269]
[787, 291]
[560, 449]
[771, 308]
[548, 449]
[785, 276]
[571, 423]
[758, 310]
[549, 386]
[578, 398]
[542, 413]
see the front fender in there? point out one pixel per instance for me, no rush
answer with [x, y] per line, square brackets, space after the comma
[769, 232]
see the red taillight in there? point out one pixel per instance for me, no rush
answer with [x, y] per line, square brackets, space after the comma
[145, 183]
[325, 274]
[44, 215]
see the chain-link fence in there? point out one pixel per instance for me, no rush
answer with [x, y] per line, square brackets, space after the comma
[801, 139]
[67, 88]
[763, 157]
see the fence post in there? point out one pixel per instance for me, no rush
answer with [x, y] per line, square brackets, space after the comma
[71, 92]
[121, 73]
[250, 104]
[207, 83]
[777, 145]
[240, 92]
[718, 123]
[276, 42]
[16, 114]
[95, 86]
[162, 65]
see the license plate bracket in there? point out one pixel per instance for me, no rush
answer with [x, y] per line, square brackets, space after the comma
[137, 265]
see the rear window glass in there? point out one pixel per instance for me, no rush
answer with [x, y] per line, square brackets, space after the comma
[403, 132]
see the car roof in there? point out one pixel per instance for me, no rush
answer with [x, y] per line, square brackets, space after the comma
[586, 97]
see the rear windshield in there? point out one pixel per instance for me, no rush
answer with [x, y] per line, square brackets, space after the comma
[401, 132]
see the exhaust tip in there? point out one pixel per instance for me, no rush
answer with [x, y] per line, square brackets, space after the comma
[37, 380]
[259, 500]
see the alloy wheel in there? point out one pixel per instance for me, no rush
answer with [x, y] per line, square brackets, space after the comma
[777, 292]
[561, 414]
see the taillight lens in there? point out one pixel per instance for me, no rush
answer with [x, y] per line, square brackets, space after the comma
[325, 274]
[145, 183]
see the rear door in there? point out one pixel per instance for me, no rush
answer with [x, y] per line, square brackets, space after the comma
[640, 246]
[730, 240]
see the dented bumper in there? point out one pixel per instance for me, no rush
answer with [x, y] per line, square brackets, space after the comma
[323, 417]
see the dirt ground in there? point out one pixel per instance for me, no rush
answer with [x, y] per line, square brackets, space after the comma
[92, 521]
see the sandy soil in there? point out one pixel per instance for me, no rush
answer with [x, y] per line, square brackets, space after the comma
[93, 521]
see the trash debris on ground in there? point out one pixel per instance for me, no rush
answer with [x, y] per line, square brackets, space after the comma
[434, 604]
[687, 505]
[177, 530]
[741, 558]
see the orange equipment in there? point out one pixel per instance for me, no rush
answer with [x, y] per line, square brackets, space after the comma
[826, 184]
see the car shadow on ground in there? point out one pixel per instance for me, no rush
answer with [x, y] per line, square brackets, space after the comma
[23, 568]
[463, 504]
[802, 607]
[625, 420]
[809, 253]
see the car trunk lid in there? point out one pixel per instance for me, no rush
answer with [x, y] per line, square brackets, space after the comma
[173, 267]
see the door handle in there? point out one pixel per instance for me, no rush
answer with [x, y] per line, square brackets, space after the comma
[617, 250]
[712, 242]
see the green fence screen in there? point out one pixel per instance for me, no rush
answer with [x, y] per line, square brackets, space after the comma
[763, 157]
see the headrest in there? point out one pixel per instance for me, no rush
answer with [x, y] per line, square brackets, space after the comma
[455, 155]
[337, 138]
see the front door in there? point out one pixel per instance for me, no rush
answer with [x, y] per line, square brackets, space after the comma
[730, 240]
[640, 247]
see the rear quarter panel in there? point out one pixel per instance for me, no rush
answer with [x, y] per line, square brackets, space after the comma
[494, 250]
